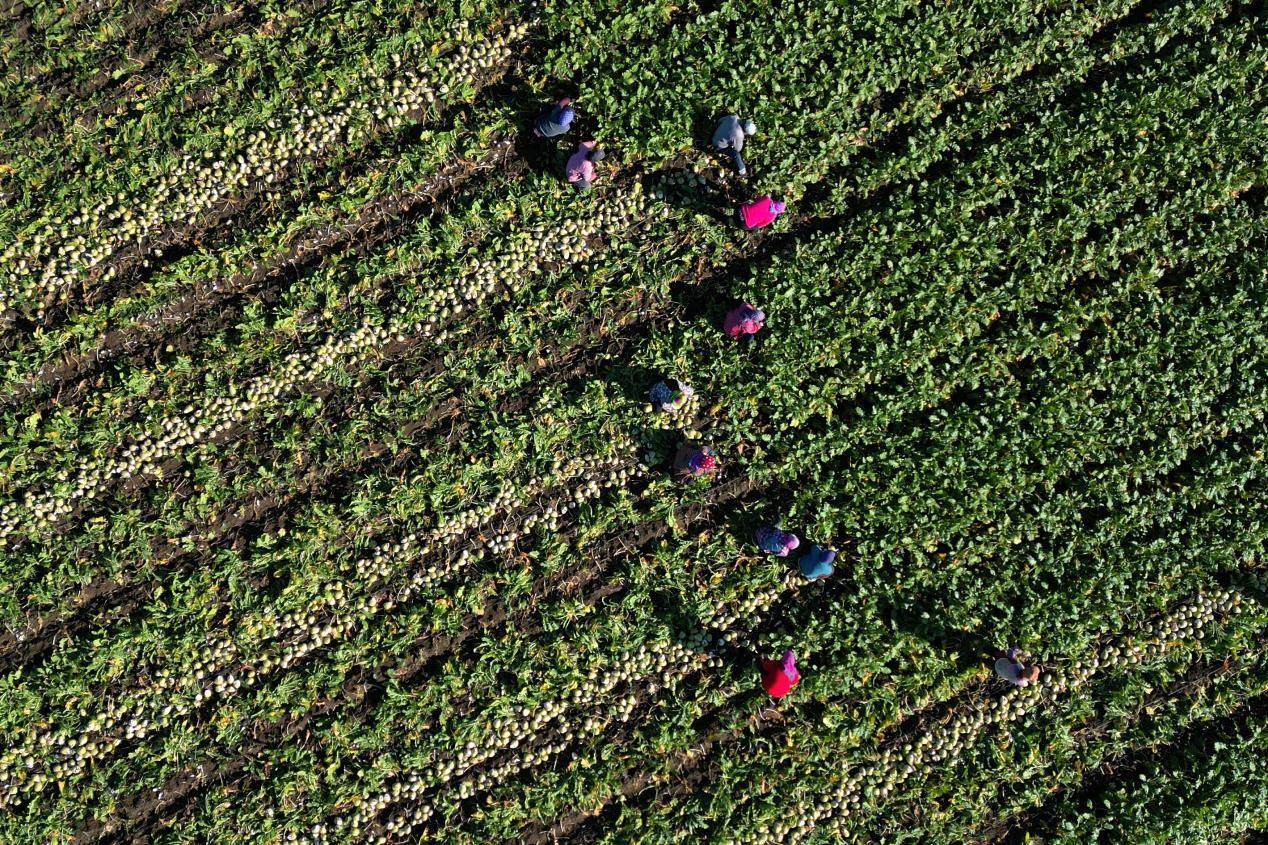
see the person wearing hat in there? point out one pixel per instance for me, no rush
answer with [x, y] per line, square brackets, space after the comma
[772, 540]
[729, 138]
[743, 320]
[556, 121]
[760, 213]
[580, 167]
[694, 462]
[780, 676]
[671, 395]
[816, 563]
[1012, 670]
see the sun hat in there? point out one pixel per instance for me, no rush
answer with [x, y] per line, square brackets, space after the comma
[750, 128]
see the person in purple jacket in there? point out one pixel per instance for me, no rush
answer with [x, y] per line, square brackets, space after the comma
[555, 122]
[1011, 669]
[772, 540]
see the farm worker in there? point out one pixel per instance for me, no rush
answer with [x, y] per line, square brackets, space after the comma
[729, 138]
[780, 676]
[671, 395]
[773, 540]
[694, 462]
[1014, 671]
[760, 213]
[816, 563]
[580, 167]
[556, 121]
[743, 320]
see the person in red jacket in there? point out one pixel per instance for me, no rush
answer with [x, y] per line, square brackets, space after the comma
[760, 213]
[780, 676]
[694, 462]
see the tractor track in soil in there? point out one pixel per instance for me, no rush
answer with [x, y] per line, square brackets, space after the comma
[324, 482]
[135, 263]
[181, 789]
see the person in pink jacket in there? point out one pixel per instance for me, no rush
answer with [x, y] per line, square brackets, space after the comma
[580, 167]
[743, 321]
[760, 213]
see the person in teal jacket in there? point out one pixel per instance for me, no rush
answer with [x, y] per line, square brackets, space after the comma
[816, 563]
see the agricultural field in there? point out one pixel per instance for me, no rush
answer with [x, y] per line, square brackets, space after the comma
[333, 510]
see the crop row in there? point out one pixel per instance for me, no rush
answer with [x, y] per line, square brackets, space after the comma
[145, 453]
[66, 249]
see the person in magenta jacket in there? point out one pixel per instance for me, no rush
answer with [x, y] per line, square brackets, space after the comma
[743, 320]
[780, 676]
[760, 213]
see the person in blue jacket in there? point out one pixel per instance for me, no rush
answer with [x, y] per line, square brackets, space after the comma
[555, 122]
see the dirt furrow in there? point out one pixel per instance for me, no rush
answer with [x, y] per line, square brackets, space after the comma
[127, 270]
[215, 303]
[324, 482]
[1197, 679]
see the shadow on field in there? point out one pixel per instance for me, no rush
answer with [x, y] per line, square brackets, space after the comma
[921, 615]
[710, 191]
